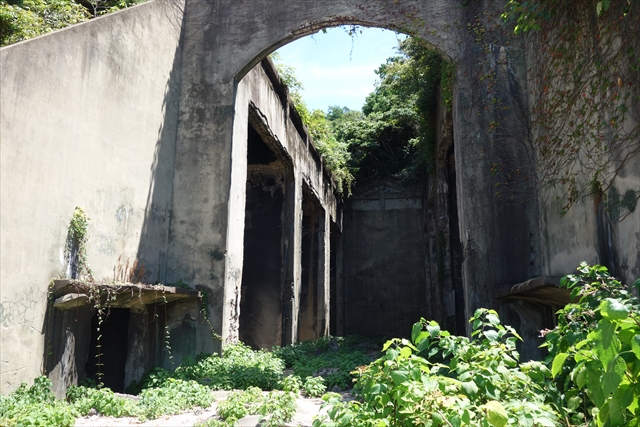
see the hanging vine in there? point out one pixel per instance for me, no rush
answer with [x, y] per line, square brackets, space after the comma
[584, 82]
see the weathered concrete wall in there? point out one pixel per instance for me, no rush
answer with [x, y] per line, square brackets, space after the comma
[228, 38]
[600, 227]
[88, 118]
[385, 260]
[263, 104]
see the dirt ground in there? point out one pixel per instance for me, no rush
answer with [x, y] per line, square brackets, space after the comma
[307, 409]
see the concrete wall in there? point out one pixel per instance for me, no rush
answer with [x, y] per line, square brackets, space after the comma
[88, 119]
[262, 101]
[599, 227]
[385, 260]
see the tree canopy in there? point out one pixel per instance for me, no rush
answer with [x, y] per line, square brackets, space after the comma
[25, 19]
[394, 134]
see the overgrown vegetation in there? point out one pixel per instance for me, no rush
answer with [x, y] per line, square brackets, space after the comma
[584, 83]
[239, 367]
[394, 134]
[75, 249]
[594, 352]
[276, 408]
[333, 357]
[438, 379]
[25, 19]
[591, 377]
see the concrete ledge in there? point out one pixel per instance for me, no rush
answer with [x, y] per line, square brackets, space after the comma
[543, 290]
[71, 294]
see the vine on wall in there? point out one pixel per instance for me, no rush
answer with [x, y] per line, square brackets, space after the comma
[585, 88]
[76, 246]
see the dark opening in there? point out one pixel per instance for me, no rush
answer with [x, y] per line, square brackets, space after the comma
[262, 275]
[309, 291]
[113, 348]
[258, 153]
[335, 297]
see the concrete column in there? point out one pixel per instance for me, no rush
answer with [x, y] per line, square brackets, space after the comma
[198, 232]
[498, 212]
[292, 261]
[324, 272]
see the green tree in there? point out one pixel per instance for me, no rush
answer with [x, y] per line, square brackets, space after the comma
[25, 19]
[395, 134]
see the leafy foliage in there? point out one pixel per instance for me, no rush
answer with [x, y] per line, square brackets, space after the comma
[276, 408]
[314, 386]
[76, 245]
[437, 379]
[239, 367]
[394, 133]
[25, 19]
[335, 357]
[594, 351]
[35, 406]
[173, 397]
[103, 400]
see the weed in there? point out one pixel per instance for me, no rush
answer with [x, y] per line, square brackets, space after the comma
[314, 386]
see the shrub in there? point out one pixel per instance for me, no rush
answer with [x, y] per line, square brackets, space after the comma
[594, 352]
[174, 397]
[103, 400]
[35, 406]
[314, 386]
[476, 382]
[276, 407]
[337, 356]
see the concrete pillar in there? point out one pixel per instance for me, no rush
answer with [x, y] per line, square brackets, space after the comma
[324, 273]
[292, 262]
[198, 233]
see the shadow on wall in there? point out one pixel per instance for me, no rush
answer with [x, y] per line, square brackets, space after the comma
[154, 235]
[137, 335]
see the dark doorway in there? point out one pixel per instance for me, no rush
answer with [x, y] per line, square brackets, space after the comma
[310, 296]
[262, 274]
[335, 291]
[109, 356]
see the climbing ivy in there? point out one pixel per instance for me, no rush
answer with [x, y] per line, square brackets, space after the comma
[76, 246]
[584, 82]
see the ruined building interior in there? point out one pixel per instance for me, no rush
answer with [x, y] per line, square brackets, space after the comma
[197, 164]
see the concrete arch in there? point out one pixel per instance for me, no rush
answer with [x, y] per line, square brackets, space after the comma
[251, 30]
[224, 39]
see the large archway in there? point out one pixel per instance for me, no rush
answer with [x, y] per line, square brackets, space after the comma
[223, 40]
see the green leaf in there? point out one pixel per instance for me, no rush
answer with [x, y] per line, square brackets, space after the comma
[493, 319]
[433, 328]
[415, 332]
[594, 385]
[405, 352]
[635, 345]
[613, 309]
[470, 388]
[491, 335]
[613, 376]
[621, 398]
[496, 414]
[558, 362]
[399, 376]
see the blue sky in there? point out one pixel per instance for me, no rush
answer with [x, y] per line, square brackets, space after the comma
[337, 70]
